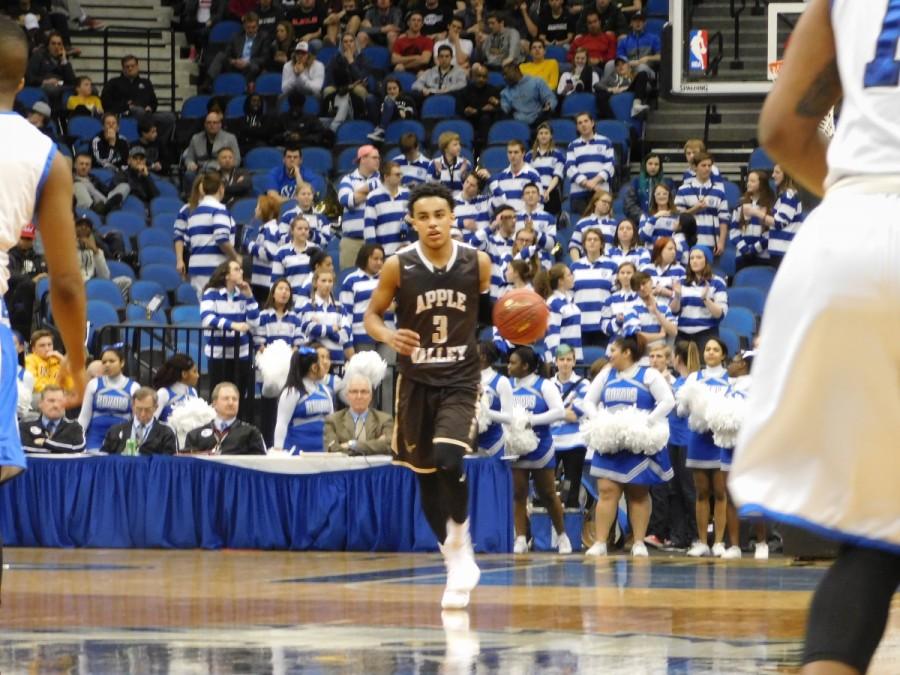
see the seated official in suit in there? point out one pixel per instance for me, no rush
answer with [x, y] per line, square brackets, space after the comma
[359, 429]
[52, 432]
[142, 434]
[226, 434]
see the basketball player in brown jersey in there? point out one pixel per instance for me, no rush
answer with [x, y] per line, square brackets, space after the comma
[441, 289]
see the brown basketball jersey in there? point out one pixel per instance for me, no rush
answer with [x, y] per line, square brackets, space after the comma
[441, 305]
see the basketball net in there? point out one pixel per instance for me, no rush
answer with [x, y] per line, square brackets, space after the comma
[826, 126]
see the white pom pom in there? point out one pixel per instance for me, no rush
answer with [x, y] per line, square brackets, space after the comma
[484, 409]
[519, 438]
[191, 413]
[725, 416]
[600, 432]
[693, 399]
[368, 364]
[274, 364]
[685, 397]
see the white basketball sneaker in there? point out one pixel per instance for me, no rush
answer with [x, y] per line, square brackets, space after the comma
[520, 545]
[732, 553]
[761, 552]
[639, 550]
[698, 550]
[598, 550]
[564, 546]
[718, 550]
[462, 571]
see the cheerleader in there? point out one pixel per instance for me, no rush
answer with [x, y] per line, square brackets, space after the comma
[704, 457]
[497, 395]
[664, 268]
[567, 439]
[543, 404]
[564, 324]
[277, 321]
[292, 260]
[701, 302]
[175, 381]
[272, 236]
[550, 163]
[749, 230]
[324, 320]
[662, 220]
[627, 246]
[334, 383]
[303, 406]
[786, 217]
[617, 319]
[593, 281]
[107, 399]
[631, 470]
[596, 215]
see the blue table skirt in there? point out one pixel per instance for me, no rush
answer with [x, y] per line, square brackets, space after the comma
[183, 502]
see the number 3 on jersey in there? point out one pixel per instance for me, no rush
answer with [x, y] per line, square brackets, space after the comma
[884, 69]
[439, 336]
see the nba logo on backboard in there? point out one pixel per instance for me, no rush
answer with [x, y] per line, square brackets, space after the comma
[699, 61]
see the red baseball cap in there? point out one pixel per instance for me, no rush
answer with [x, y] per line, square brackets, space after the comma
[27, 231]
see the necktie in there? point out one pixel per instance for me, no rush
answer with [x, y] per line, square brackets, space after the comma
[360, 431]
[51, 427]
[138, 433]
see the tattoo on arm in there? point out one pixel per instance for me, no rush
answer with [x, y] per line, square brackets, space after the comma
[824, 90]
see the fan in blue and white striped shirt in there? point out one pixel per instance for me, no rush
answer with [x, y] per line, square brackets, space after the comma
[498, 245]
[354, 203]
[415, 166]
[325, 320]
[472, 210]
[278, 320]
[703, 299]
[292, 261]
[599, 210]
[228, 307]
[662, 220]
[386, 211]
[594, 275]
[320, 230]
[787, 216]
[357, 290]
[704, 198]
[272, 236]
[627, 246]
[564, 324]
[547, 160]
[507, 186]
[590, 162]
[209, 233]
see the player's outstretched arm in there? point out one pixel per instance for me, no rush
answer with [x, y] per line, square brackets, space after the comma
[402, 340]
[67, 295]
[807, 87]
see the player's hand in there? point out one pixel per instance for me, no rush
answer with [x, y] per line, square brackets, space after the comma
[73, 380]
[404, 341]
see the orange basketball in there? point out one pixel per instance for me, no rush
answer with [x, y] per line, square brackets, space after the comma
[521, 316]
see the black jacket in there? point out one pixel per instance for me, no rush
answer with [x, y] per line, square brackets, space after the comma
[42, 66]
[68, 437]
[25, 264]
[259, 52]
[160, 439]
[119, 91]
[142, 186]
[242, 439]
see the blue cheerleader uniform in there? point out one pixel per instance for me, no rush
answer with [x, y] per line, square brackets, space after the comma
[301, 419]
[679, 433]
[490, 441]
[174, 395]
[623, 390]
[531, 393]
[107, 403]
[702, 452]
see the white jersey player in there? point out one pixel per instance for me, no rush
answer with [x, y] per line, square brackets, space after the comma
[35, 186]
[819, 447]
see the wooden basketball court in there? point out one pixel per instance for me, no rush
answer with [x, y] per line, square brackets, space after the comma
[142, 611]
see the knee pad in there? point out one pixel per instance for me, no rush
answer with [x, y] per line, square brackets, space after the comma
[449, 457]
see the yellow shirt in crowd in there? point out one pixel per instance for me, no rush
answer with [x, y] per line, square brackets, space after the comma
[547, 70]
[44, 371]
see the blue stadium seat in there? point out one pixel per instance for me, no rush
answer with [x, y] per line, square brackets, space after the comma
[102, 174]
[747, 296]
[235, 108]
[185, 314]
[461, 127]
[105, 290]
[354, 132]
[164, 221]
[185, 294]
[134, 205]
[318, 159]
[564, 131]
[591, 354]
[559, 54]
[119, 269]
[144, 290]
[503, 131]
[655, 27]
[195, 107]
[346, 161]
[91, 215]
[617, 132]
[152, 255]
[262, 158]
[405, 79]
[333, 249]
[82, 129]
[325, 54]
[438, 106]
[757, 277]
[396, 129]
[128, 127]
[128, 223]
[260, 183]
[494, 158]
[166, 188]
[311, 106]
[760, 160]
[154, 237]
[268, 84]
[732, 194]
[731, 339]
[657, 8]
[164, 274]
[229, 84]
[223, 31]
[31, 95]
[725, 265]
[496, 79]
[574, 104]
[99, 315]
[137, 314]
[165, 205]
[242, 210]
[741, 321]
[378, 58]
